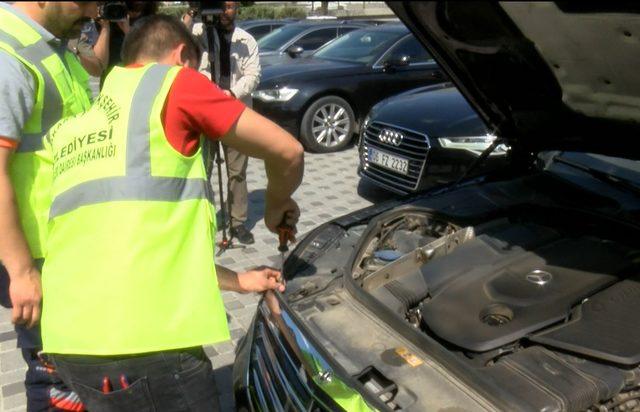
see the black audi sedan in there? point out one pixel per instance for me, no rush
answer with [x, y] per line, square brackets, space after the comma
[301, 39]
[422, 138]
[515, 290]
[323, 98]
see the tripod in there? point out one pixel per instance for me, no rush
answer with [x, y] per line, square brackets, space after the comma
[226, 243]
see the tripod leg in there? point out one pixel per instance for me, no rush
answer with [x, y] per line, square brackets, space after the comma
[220, 191]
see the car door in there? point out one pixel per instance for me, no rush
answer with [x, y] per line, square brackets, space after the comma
[384, 81]
[418, 69]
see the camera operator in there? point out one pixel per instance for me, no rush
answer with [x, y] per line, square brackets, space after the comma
[237, 73]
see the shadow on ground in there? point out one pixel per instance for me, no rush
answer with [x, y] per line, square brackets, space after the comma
[255, 212]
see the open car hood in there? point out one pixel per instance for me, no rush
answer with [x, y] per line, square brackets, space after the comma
[542, 75]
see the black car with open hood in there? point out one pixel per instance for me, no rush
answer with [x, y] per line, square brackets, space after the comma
[513, 290]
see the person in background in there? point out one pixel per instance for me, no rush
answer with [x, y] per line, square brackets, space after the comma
[237, 73]
[119, 29]
[40, 83]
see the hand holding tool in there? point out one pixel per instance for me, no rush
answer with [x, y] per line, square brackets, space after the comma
[286, 234]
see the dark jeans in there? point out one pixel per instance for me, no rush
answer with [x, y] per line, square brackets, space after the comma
[178, 380]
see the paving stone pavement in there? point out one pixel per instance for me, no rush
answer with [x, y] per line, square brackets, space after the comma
[329, 190]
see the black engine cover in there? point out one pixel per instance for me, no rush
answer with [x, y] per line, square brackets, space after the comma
[516, 282]
[606, 327]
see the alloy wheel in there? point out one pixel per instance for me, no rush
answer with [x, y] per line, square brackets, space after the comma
[330, 125]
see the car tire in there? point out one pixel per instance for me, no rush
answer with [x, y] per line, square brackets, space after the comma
[328, 125]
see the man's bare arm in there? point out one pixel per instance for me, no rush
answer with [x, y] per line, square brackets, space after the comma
[25, 290]
[101, 48]
[95, 58]
[91, 64]
[257, 136]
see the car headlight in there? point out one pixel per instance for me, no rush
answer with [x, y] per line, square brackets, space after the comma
[475, 144]
[284, 94]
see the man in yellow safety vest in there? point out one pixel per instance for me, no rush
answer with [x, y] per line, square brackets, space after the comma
[131, 292]
[40, 83]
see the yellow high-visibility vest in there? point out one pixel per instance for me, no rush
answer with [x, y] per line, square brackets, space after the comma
[60, 92]
[129, 265]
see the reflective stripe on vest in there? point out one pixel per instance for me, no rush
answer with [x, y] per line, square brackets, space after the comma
[34, 54]
[131, 237]
[138, 183]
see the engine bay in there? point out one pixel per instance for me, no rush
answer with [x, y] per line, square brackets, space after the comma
[541, 301]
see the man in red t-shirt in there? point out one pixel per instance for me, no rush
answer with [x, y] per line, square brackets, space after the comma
[126, 376]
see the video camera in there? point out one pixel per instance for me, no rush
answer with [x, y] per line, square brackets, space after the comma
[113, 11]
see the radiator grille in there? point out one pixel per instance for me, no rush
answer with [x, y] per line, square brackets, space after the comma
[414, 147]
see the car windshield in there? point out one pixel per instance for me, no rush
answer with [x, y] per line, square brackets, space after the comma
[279, 37]
[360, 46]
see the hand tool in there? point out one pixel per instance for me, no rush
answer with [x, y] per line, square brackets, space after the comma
[285, 235]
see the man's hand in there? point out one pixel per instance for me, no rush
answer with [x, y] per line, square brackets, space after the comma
[25, 292]
[187, 19]
[228, 93]
[104, 24]
[260, 279]
[281, 212]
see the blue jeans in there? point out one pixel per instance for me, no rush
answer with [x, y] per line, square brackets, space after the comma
[177, 380]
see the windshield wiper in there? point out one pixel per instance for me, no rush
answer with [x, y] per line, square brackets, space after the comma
[614, 180]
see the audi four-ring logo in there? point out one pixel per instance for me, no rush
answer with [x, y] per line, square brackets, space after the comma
[390, 137]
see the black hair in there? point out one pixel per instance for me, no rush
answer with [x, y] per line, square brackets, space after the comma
[154, 36]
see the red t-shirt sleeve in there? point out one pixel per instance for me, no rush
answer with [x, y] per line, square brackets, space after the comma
[196, 106]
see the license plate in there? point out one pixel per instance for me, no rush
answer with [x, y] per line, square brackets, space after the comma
[386, 160]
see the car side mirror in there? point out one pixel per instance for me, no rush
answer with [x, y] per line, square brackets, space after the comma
[393, 63]
[295, 51]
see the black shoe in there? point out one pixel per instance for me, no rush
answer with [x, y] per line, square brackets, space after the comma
[242, 234]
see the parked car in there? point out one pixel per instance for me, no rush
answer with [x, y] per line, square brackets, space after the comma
[260, 28]
[516, 290]
[301, 39]
[423, 137]
[322, 98]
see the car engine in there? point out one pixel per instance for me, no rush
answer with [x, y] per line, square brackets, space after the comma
[543, 302]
